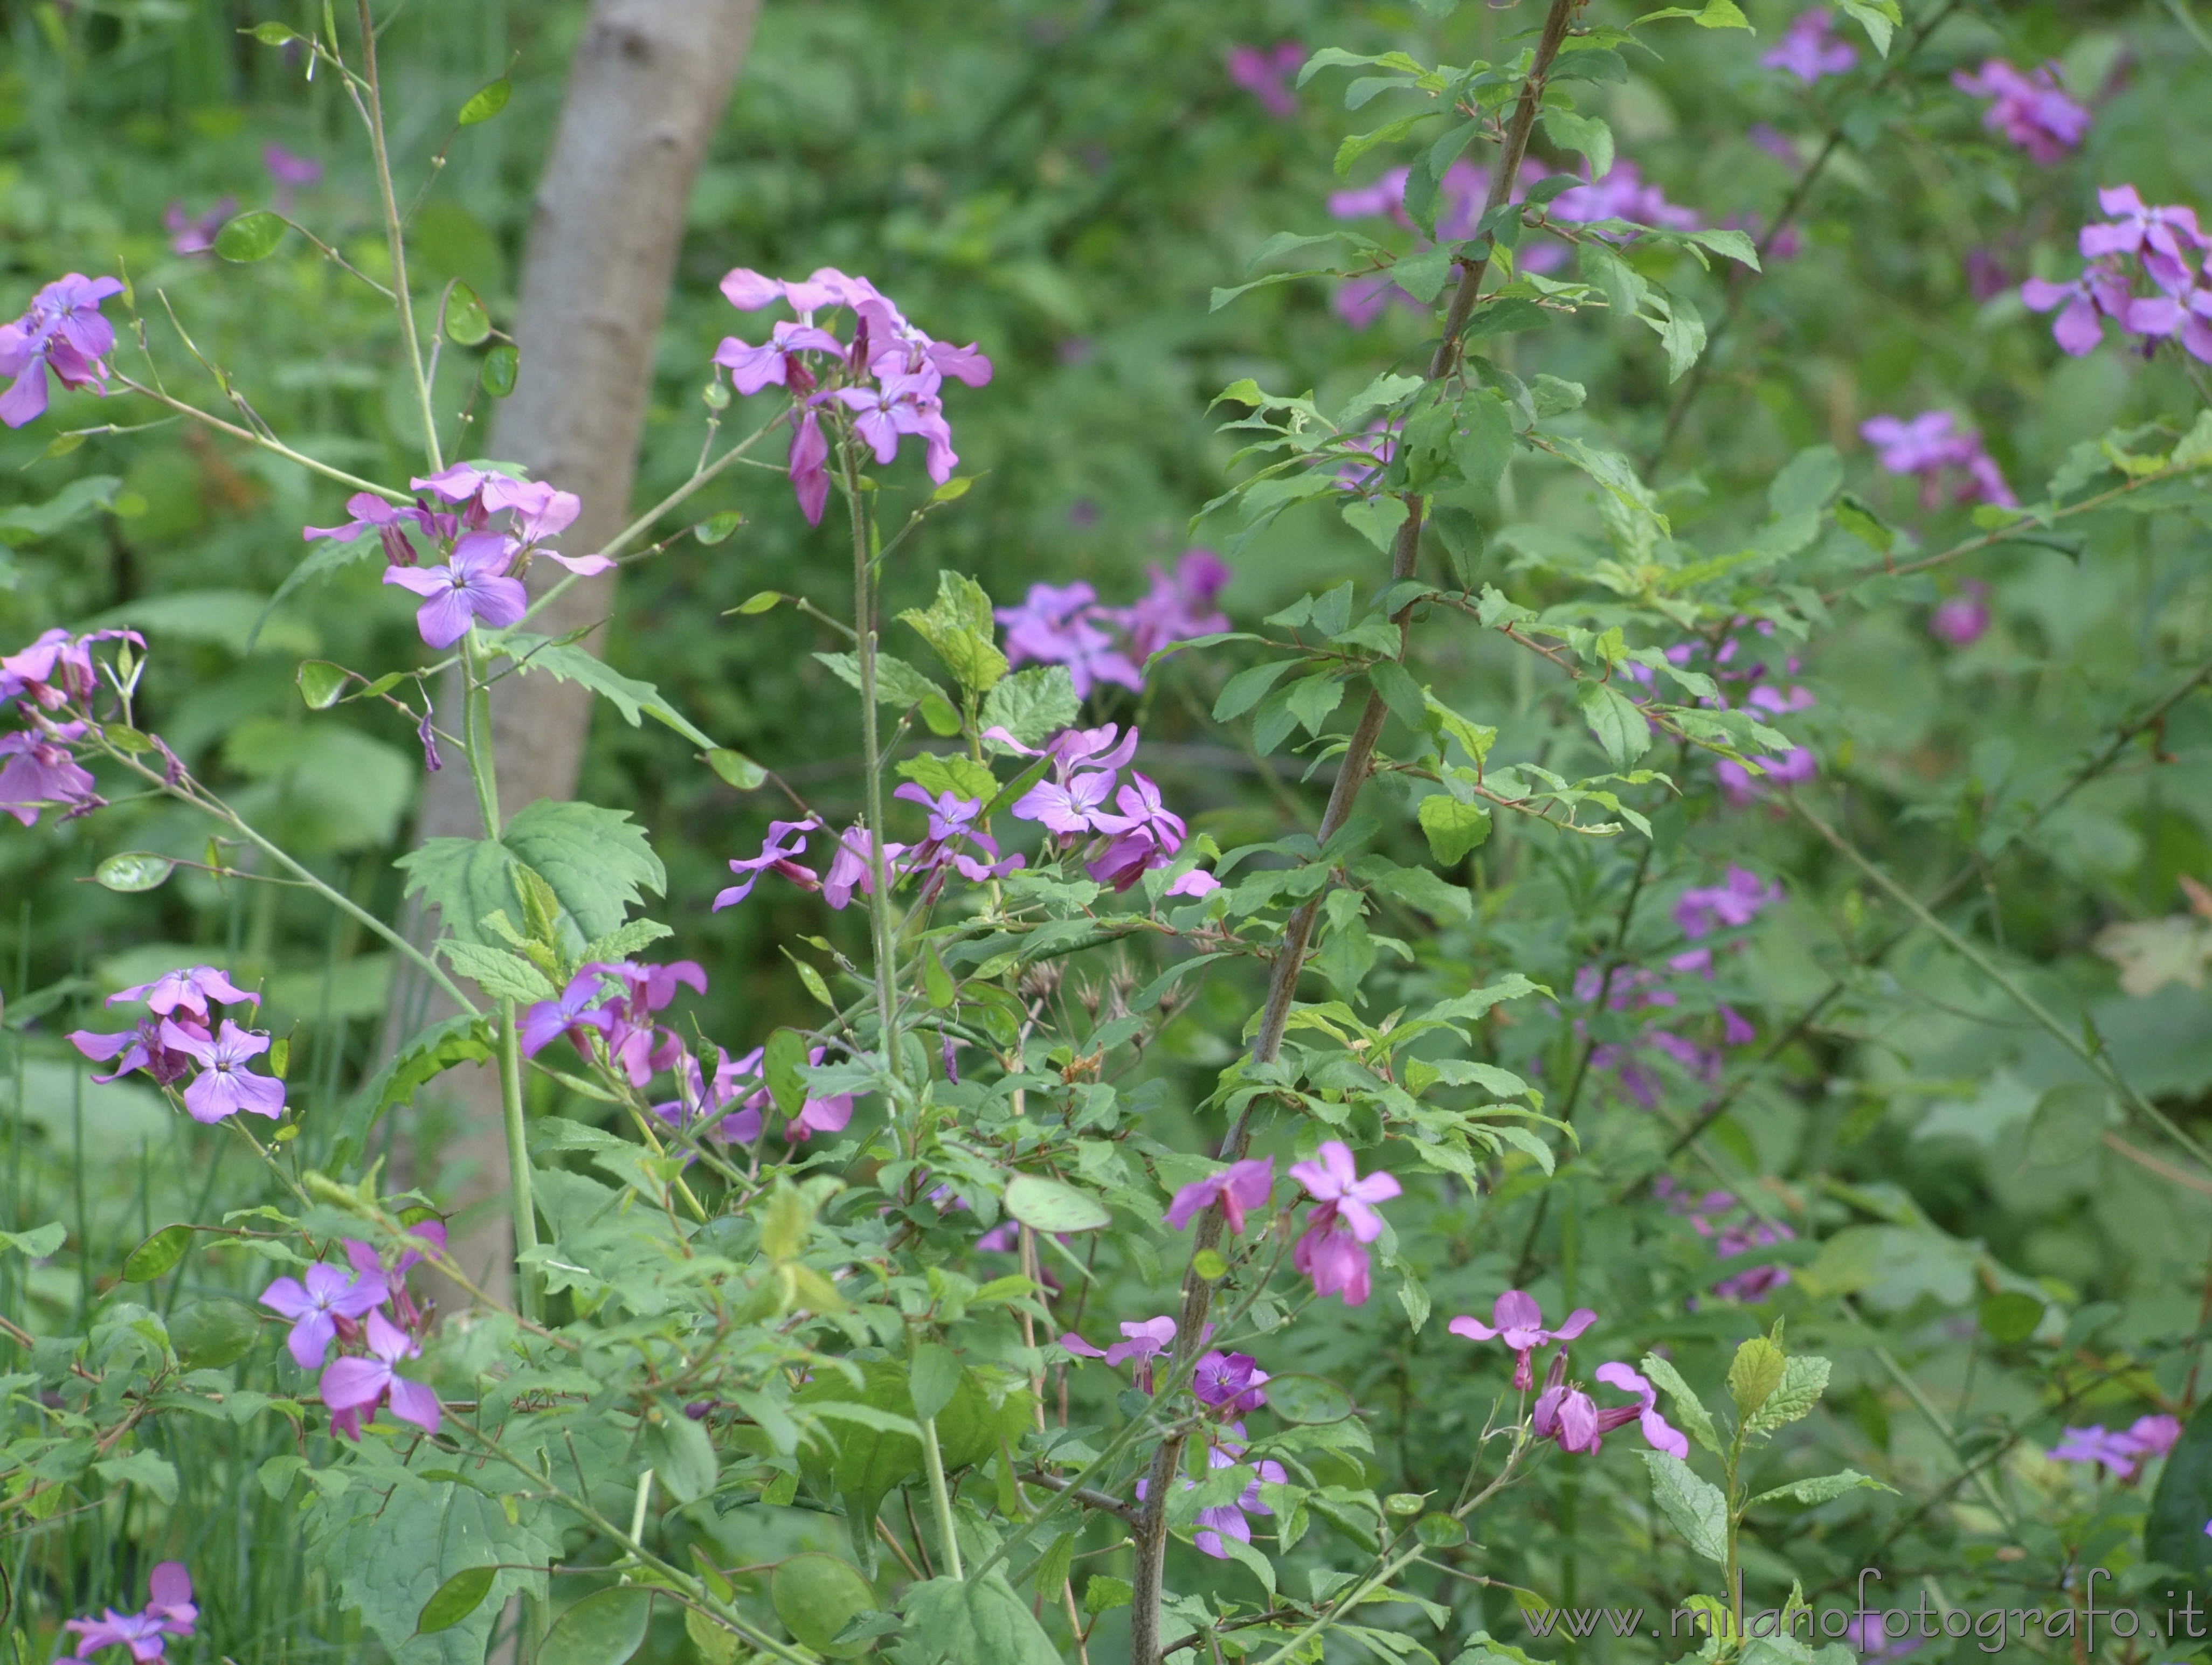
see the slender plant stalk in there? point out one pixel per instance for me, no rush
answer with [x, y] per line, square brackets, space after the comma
[1151, 1533]
[395, 239]
[863, 626]
[940, 1496]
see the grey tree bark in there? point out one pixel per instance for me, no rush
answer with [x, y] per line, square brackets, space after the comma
[649, 84]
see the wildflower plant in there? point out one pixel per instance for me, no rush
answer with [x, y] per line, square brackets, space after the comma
[760, 1265]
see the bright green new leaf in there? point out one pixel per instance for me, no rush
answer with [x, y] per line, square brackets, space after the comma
[959, 629]
[1452, 828]
[485, 103]
[251, 236]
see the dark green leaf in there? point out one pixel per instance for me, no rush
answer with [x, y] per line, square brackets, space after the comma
[784, 1056]
[1695, 1506]
[2174, 1531]
[932, 1379]
[2012, 1317]
[604, 1629]
[683, 1457]
[211, 1333]
[2068, 1124]
[501, 367]
[974, 1622]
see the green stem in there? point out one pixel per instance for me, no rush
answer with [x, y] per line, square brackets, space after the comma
[276, 446]
[395, 239]
[518, 1160]
[476, 731]
[864, 625]
[940, 1496]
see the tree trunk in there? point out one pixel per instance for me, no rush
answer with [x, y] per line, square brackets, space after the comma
[648, 87]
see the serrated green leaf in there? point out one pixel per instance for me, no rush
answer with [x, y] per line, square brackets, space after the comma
[1032, 704]
[1804, 1379]
[500, 975]
[1755, 1374]
[959, 629]
[898, 684]
[1821, 1490]
[977, 1622]
[1616, 720]
[1695, 1506]
[1452, 828]
[569, 662]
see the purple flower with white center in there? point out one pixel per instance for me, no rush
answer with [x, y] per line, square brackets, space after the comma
[786, 840]
[1728, 907]
[880, 415]
[388, 520]
[2172, 232]
[317, 1303]
[2028, 109]
[777, 364]
[1228, 1520]
[1069, 809]
[2116, 1452]
[1517, 1321]
[1179, 606]
[142, 1047]
[225, 1086]
[1961, 619]
[354, 1388]
[169, 1612]
[1810, 49]
[577, 1009]
[1239, 1188]
[1622, 194]
[41, 772]
[1143, 811]
[2187, 315]
[472, 585]
[190, 988]
[952, 824]
[1231, 1382]
[189, 235]
[1265, 75]
[63, 331]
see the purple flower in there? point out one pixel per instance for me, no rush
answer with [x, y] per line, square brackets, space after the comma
[1263, 73]
[1930, 443]
[2188, 315]
[42, 774]
[2118, 1452]
[2155, 1436]
[1760, 1282]
[1146, 834]
[1238, 1187]
[1810, 49]
[903, 405]
[1728, 906]
[2099, 293]
[1740, 787]
[387, 520]
[1054, 626]
[191, 236]
[224, 1086]
[1228, 1520]
[1229, 1382]
[1867, 1634]
[777, 364]
[316, 1305]
[190, 988]
[473, 586]
[1334, 1181]
[1622, 194]
[810, 475]
[952, 824]
[777, 854]
[352, 1389]
[57, 668]
[1961, 620]
[1517, 1321]
[142, 1047]
[63, 332]
[2161, 230]
[289, 172]
[1068, 808]
[2028, 109]
[1179, 606]
[849, 869]
[575, 1009]
[697, 1098]
[1143, 1341]
[1566, 1415]
[169, 1612]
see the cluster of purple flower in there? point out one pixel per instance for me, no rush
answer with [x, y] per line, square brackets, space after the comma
[1563, 1413]
[1729, 1238]
[1622, 194]
[1265, 75]
[1809, 50]
[51, 673]
[481, 576]
[1699, 912]
[182, 1040]
[2121, 1452]
[888, 376]
[168, 1613]
[2029, 109]
[63, 331]
[1763, 692]
[1063, 624]
[2164, 296]
[953, 826]
[1086, 765]
[607, 1011]
[350, 1310]
[1332, 1251]
[1930, 446]
[192, 234]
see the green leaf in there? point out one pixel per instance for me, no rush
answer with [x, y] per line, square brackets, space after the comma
[683, 1457]
[958, 627]
[597, 860]
[1452, 828]
[1245, 689]
[133, 871]
[1483, 438]
[2174, 1530]
[272, 35]
[783, 1057]
[500, 975]
[1689, 1409]
[1585, 134]
[211, 1333]
[1104, 1592]
[1880, 19]
[25, 523]
[1755, 1373]
[141, 1468]
[962, 777]
[1695, 1506]
[39, 1241]
[1377, 519]
[1729, 245]
[973, 1622]
[604, 1629]
[501, 367]
[157, 1255]
[716, 528]
[1821, 1490]
[1308, 1400]
[485, 103]
[1046, 1205]
[1616, 720]
[1032, 704]
[455, 1600]
[467, 323]
[898, 684]
[1804, 1379]
[322, 683]
[932, 1380]
[2068, 1125]
[871, 1445]
[2011, 1317]
[816, 1596]
[568, 661]
[736, 769]
[251, 236]
[1416, 887]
